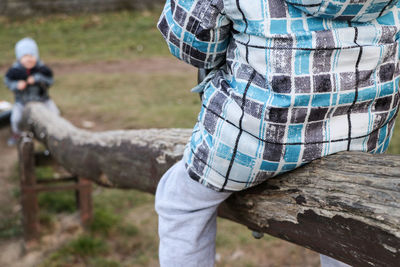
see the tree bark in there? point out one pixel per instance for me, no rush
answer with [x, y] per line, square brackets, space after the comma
[345, 205]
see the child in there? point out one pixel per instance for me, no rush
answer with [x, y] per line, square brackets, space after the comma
[292, 81]
[29, 79]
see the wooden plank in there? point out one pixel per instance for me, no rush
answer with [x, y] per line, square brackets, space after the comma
[54, 188]
[57, 180]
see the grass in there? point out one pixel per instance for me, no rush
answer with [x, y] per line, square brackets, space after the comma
[82, 248]
[44, 172]
[10, 220]
[83, 38]
[129, 100]
[104, 220]
[10, 227]
[53, 202]
[56, 202]
[115, 237]
[394, 147]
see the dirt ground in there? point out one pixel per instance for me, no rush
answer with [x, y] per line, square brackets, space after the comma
[277, 253]
[145, 65]
[8, 157]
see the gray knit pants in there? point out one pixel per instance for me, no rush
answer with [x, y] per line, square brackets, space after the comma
[18, 109]
[187, 213]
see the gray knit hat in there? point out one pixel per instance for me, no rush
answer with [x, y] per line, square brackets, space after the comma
[26, 46]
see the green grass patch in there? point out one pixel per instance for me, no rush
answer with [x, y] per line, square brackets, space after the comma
[128, 230]
[46, 220]
[129, 100]
[110, 207]
[394, 147]
[56, 202]
[126, 100]
[104, 220]
[44, 172]
[10, 227]
[108, 36]
[120, 201]
[86, 246]
[130, 242]
[230, 234]
[81, 249]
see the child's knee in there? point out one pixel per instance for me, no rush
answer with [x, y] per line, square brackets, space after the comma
[178, 194]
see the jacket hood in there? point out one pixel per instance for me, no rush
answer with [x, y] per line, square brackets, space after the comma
[350, 10]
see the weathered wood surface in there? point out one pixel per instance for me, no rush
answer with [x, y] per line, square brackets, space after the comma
[346, 205]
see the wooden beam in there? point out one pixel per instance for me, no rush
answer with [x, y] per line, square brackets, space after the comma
[345, 205]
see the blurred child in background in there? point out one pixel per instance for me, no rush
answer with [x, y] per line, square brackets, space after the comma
[29, 79]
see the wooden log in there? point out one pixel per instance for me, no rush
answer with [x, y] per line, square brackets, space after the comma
[345, 205]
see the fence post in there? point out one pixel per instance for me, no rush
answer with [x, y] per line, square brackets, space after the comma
[29, 201]
[84, 199]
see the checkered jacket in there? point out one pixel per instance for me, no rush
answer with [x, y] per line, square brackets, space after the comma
[293, 81]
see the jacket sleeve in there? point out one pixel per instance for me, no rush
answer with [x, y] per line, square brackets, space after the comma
[196, 31]
[44, 75]
[40, 78]
[11, 79]
[12, 85]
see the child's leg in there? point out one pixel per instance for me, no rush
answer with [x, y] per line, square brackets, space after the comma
[187, 214]
[52, 106]
[187, 221]
[330, 262]
[16, 117]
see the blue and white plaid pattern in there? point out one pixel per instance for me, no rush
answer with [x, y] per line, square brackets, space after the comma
[354, 10]
[288, 87]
